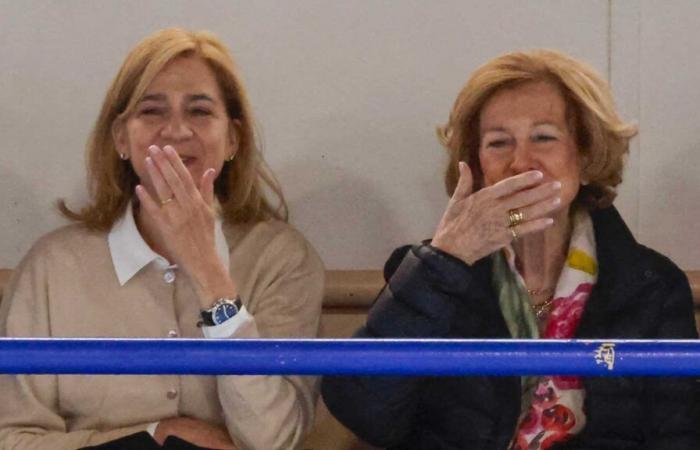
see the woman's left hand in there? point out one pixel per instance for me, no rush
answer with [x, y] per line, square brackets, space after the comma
[184, 215]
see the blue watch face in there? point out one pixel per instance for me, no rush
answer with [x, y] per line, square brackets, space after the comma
[224, 312]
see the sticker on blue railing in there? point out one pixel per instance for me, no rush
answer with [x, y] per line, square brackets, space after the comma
[605, 354]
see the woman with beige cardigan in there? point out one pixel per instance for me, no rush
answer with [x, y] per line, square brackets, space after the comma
[178, 241]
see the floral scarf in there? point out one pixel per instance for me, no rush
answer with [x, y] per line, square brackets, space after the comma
[552, 406]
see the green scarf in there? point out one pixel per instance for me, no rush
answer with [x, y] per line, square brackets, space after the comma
[514, 302]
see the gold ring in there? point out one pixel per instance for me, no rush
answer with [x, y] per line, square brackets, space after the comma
[166, 201]
[512, 231]
[515, 218]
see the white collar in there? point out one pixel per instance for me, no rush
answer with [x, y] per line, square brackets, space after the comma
[130, 253]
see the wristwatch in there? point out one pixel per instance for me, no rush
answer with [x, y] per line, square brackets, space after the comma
[223, 310]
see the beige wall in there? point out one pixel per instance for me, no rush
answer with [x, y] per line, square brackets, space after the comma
[347, 95]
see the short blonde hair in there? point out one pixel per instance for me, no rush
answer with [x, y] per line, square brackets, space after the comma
[601, 136]
[239, 187]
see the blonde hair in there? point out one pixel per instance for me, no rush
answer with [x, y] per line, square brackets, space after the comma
[602, 137]
[111, 181]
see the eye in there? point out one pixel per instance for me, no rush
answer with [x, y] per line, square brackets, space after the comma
[543, 138]
[200, 112]
[151, 111]
[497, 143]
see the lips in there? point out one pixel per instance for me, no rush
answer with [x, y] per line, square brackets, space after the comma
[187, 160]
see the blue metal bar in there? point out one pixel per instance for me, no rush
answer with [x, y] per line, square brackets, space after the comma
[350, 357]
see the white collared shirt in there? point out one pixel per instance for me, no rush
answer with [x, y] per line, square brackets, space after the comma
[130, 253]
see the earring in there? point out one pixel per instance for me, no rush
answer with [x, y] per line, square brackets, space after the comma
[123, 156]
[230, 158]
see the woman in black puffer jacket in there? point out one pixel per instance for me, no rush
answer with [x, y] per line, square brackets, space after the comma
[529, 246]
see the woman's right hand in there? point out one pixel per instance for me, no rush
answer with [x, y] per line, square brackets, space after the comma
[475, 225]
[197, 432]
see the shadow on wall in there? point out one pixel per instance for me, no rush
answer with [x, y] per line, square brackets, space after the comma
[345, 216]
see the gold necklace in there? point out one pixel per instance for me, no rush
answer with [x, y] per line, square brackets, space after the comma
[536, 292]
[542, 309]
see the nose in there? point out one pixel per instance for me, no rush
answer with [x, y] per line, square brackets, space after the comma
[523, 158]
[176, 128]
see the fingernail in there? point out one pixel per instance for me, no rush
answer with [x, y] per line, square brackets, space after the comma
[549, 221]
[556, 201]
[538, 175]
[153, 149]
[149, 160]
[556, 185]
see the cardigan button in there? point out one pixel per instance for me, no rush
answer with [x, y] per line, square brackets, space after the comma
[171, 394]
[169, 276]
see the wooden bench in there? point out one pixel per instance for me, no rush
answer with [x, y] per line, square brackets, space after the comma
[348, 296]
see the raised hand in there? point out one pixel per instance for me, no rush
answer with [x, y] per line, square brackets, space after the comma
[476, 224]
[183, 216]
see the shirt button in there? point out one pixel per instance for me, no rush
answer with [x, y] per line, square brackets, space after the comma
[169, 276]
[172, 333]
[171, 394]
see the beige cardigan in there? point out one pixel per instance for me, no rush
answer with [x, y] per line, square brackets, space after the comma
[67, 287]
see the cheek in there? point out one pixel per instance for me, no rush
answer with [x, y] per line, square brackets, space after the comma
[569, 175]
[216, 156]
[139, 137]
[139, 166]
[139, 132]
[217, 143]
[492, 169]
[573, 188]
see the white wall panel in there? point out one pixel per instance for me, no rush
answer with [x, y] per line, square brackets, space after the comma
[624, 80]
[669, 189]
[347, 95]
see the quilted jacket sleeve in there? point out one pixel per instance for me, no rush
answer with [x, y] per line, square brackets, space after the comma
[418, 301]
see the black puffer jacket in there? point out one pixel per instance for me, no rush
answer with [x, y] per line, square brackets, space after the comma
[639, 295]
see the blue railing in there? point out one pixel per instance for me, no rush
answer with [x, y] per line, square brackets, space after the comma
[350, 357]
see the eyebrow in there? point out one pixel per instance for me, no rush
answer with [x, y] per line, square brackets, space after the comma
[536, 124]
[189, 98]
[152, 97]
[197, 97]
[501, 129]
[546, 122]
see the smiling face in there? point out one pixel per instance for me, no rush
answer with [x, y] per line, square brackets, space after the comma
[182, 107]
[526, 128]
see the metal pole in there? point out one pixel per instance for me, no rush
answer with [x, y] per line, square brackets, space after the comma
[411, 357]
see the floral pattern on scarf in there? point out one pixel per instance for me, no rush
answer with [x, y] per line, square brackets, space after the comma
[555, 411]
